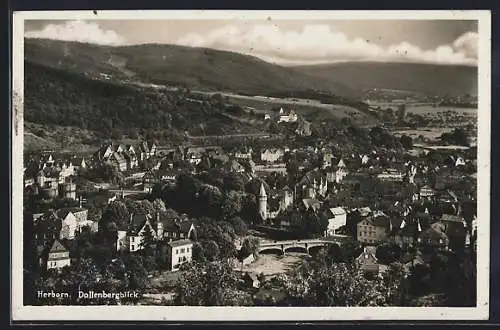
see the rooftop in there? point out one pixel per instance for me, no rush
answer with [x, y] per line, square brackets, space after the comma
[180, 242]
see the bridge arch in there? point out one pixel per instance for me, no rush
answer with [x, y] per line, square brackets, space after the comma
[296, 248]
[271, 250]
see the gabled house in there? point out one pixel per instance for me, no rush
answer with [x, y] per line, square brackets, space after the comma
[58, 256]
[139, 224]
[73, 220]
[235, 166]
[426, 192]
[271, 155]
[174, 228]
[434, 236]
[459, 161]
[79, 163]
[118, 161]
[337, 217]
[367, 261]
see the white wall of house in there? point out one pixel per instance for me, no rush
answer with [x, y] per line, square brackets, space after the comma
[180, 255]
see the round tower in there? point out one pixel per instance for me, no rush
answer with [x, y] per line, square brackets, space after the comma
[263, 202]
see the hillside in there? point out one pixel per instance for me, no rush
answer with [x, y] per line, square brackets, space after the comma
[57, 99]
[422, 78]
[196, 68]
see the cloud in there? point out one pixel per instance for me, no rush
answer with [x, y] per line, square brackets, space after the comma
[321, 44]
[315, 43]
[80, 31]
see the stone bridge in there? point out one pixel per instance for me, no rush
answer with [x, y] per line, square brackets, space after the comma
[304, 245]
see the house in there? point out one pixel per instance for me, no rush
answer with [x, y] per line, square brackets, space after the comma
[391, 175]
[79, 163]
[455, 229]
[169, 228]
[447, 196]
[234, 166]
[73, 220]
[104, 152]
[291, 117]
[327, 159]
[271, 155]
[365, 211]
[373, 229]
[459, 161]
[245, 153]
[434, 236]
[139, 224]
[364, 159]
[311, 204]
[426, 192]
[118, 162]
[131, 160]
[367, 261]
[66, 169]
[251, 280]
[146, 150]
[58, 256]
[303, 127]
[266, 169]
[406, 235]
[179, 252]
[337, 217]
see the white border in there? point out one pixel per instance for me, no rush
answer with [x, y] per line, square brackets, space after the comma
[155, 313]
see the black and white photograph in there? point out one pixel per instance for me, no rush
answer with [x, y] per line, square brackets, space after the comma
[283, 165]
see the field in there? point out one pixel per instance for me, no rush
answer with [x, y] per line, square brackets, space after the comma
[310, 109]
[429, 109]
[430, 133]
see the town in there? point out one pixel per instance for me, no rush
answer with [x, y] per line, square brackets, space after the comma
[277, 221]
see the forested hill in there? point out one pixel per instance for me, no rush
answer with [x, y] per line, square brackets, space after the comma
[196, 68]
[62, 98]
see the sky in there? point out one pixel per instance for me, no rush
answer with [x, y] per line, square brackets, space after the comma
[285, 41]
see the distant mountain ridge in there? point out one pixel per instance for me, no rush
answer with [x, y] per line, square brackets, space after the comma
[423, 78]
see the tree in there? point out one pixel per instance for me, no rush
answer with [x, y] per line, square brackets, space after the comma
[388, 253]
[249, 246]
[210, 249]
[198, 253]
[159, 205]
[115, 216]
[338, 284]
[406, 141]
[209, 284]
[458, 136]
[240, 227]
[234, 181]
[232, 203]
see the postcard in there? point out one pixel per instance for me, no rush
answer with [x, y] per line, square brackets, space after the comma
[250, 165]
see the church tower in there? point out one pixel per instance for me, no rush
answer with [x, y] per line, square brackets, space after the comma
[263, 202]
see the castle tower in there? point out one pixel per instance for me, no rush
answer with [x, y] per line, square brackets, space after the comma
[263, 202]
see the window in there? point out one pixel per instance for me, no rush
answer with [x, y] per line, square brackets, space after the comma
[187, 249]
[176, 251]
[132, 247]
[179, 260]
[133, 239]
[182, 250]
